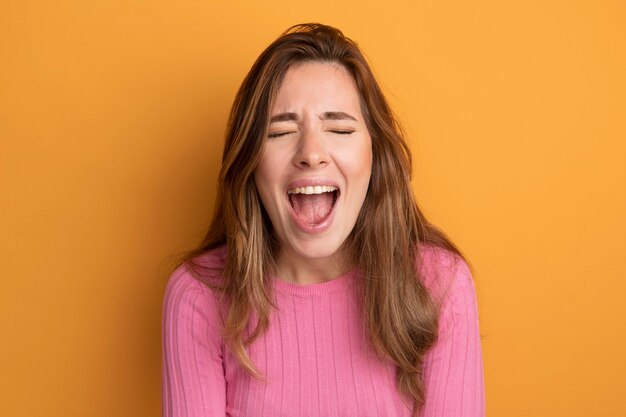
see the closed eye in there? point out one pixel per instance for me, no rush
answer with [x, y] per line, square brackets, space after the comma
[343, 132]
[278, 134]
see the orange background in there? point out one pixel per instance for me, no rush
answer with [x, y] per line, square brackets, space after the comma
[111, 123]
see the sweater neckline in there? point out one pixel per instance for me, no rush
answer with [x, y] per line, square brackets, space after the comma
[336, 284]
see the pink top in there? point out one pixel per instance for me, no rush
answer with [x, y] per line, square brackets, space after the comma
[314, 355]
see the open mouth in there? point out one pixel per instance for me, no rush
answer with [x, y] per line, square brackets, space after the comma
[313, 204]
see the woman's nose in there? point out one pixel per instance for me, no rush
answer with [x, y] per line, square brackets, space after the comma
[311, 152]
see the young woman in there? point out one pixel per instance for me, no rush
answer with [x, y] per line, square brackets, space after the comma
[320, 288]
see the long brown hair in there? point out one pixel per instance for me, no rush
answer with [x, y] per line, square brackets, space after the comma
[399, 314]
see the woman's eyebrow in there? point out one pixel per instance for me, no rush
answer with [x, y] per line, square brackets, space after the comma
[284, 117]
[329, 115]
[337, 115]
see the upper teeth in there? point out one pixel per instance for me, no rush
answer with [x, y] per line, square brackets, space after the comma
[315, 189]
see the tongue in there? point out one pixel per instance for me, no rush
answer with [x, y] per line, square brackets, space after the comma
[312, 208]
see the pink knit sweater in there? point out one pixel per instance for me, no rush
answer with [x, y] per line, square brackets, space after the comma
[314, 356]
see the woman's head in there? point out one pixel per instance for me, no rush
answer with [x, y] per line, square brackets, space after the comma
[301, 47]
[315, 168]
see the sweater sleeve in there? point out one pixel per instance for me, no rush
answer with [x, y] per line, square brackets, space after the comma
[193, 382]
[453, 369]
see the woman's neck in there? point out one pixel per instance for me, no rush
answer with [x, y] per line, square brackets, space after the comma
[291, 267]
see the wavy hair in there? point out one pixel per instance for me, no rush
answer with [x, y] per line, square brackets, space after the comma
[399, 314]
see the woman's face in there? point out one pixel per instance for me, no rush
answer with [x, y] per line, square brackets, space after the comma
[316, 162]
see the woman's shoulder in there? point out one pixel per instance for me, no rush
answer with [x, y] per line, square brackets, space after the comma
[214, 258]
[443, 272]
[190, 293]
[198, 274]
